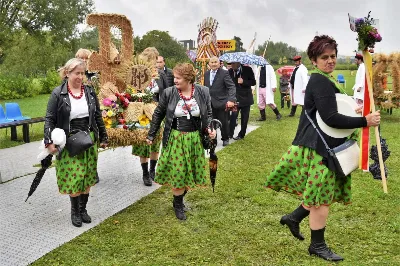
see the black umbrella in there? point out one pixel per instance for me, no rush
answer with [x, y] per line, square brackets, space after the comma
[46, 162]
[213, 161]
[375, 168]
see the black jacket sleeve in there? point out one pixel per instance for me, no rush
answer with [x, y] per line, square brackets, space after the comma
[103, 138]
[51, 116]
[158, 115]
[325, 102]
[230, 86]
[248, 79]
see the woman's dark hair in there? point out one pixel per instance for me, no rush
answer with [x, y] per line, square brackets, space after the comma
[318, 45]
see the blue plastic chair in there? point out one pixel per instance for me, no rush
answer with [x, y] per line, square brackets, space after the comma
[3, 118]
[341, 80]
[13, 112]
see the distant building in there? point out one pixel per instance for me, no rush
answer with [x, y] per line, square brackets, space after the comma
[188, 44]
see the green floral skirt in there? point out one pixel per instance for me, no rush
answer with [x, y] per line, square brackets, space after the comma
[301, 171]
[182, 162]
[144, 150]
[77, 174]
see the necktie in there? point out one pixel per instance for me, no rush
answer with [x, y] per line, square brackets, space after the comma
[212, 77]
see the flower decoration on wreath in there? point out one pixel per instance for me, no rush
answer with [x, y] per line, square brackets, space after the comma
[127, 114]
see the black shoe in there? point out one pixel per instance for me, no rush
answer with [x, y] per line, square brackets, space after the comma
[291, 115]
[97, 178]
[278, 117]
[76, 218]
[83, 199]
[294, 226]
[147, 180]
[225, 143]
[238, 138]
[321, 250]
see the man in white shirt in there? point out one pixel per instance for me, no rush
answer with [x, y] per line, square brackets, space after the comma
[265, 92]
[360, 80]
[298, 84]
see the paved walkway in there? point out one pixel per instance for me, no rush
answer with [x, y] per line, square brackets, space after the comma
[29, 230]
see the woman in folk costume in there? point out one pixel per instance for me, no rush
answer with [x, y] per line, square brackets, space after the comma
[74, 106]
[144, 151]
[360, 80]
[298, 84]
[306, 169]
[266, 90]
[186, 108]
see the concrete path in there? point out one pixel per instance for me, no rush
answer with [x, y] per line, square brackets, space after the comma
[29, 230]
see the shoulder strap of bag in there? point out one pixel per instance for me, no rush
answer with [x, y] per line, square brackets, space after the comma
[319, 133]
[190, 113]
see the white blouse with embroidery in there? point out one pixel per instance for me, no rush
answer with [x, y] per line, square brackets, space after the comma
[182, 108]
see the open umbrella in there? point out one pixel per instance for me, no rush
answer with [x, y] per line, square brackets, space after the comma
[244, 58]
[288, 69]
[213, 161]
[46, 162]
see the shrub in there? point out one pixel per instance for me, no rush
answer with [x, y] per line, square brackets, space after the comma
[15, 87]
[51, 81]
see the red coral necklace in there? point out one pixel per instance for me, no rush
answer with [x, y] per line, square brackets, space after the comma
[186, 98]
[74, 96]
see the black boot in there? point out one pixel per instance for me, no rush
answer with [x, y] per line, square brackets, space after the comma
[152, 172]
[293, 111]
[76, 218]
[184, 207]
[97, 178]
[278, 115]
[294, 219]
[178, 207]
[262, 115]
[319, 248]
[146, 176]
[83, 199]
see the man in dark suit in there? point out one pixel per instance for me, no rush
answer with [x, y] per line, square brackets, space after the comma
[243, 77]
[223, 94]
[168, 72]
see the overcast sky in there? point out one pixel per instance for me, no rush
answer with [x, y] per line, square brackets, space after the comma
[292, 21]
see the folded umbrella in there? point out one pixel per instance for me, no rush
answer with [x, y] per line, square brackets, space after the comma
[46, 162]
[213, 160]
[244, 58]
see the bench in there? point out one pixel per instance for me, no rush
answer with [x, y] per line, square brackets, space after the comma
[25, 127]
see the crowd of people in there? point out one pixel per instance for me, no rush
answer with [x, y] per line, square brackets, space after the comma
[183, 114]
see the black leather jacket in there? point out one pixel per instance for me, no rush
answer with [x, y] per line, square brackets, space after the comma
[59, 108]
[166, 108]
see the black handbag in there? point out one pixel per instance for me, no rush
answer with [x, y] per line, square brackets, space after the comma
[345, 156]
[78, 142]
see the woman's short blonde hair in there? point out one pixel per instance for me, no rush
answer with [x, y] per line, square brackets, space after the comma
[185, 70]
[83, 53]
[70, 66]
[149, 54]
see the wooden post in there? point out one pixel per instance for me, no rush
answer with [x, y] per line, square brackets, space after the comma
[368, 68]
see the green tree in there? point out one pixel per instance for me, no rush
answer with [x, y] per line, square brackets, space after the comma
[239, 44]
[276, 52]
[168, 47]
[60, 17]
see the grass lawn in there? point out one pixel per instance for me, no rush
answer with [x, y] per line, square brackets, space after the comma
[32, 107]
[239, 223]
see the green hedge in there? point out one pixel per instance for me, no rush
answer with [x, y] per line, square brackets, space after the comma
[17, 87]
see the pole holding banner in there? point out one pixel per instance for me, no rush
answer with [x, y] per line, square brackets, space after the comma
[368, 35]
